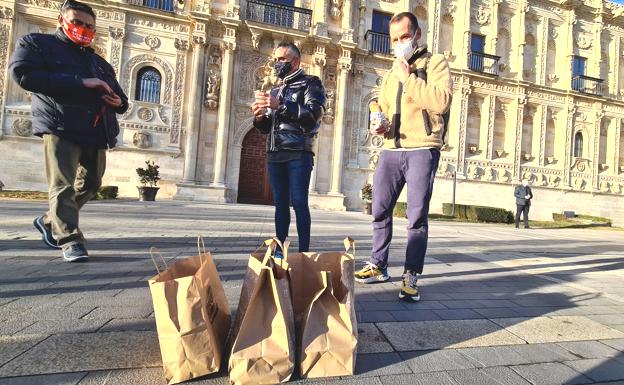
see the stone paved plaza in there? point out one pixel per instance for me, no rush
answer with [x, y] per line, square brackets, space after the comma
[499, 305]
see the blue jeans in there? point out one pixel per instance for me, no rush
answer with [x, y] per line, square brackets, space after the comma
[290, 182]
[395, 169]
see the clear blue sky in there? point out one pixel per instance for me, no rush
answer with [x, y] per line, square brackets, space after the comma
[618, 1]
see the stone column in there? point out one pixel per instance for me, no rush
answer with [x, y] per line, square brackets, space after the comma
[541, 77]
[598, 26]
[570, 47]
[193, 122]
[6, 36]
[520, 104]
[344, 66]
[615, 139]
[182, 46]
[463, 118]
[567, 164]
[489, 151]
[116, 42]
[465, 31]
[362, 24]
[615, 65]
[320, 61]
[596, 152]
[229, 46]
[494, 33]
[524, 8]
[542, 142]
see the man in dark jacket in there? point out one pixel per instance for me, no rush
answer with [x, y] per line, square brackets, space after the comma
[290, 114]
[74, 102]
[523, 196]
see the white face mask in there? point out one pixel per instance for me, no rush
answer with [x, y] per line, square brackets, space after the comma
[404, 49]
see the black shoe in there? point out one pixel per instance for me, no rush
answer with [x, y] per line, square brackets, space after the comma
[75, 253]
[46, 233]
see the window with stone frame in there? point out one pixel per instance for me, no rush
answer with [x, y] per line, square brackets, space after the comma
[148, 84]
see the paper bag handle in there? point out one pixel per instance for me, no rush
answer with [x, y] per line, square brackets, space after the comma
[269, 243]
[201, 249]
[349, 243]
[152, 250]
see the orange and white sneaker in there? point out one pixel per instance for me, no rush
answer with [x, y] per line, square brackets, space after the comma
[409, 289]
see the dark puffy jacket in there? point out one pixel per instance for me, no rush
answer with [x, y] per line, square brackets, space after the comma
[294, 124]
[52, 67]
[520, 192]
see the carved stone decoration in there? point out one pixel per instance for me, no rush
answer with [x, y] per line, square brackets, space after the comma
[373, 160]
[528, 175]
[583, 41]
[554, 180]
[145, 114]
[152, 41]
[482, 15]
[328, 117]
[489, 174]
[128, 111]
[6, 13]
[22, 127]
[553, 78]
[605, 186]
[213, 85]
[579, 184]
[330, 90]
[4, 51]
[580, 165]
[473, 172]
[335, 9]
[543, 180]
[142, 139]
[377, 141]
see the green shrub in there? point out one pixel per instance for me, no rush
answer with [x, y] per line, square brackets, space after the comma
[367, 192]
[479, 213]
[400, 210]
[107, 192]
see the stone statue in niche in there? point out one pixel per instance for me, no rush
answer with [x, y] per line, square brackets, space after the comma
[328, 117]
[22, 127]
[335, 9]
[142, 139]
[213, 85]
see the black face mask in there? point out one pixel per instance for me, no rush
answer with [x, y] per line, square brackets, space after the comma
[282, 69]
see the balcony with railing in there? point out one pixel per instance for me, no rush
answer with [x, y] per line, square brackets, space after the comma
[483, 62]
[378, 42]
[163, 5]
[588, 85]
[280, 15]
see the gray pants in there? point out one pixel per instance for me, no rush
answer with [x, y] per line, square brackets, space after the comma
[74, 175]
[395, 169]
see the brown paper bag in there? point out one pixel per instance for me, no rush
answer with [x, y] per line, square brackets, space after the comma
[324, 304]
[192, 317]
[263, 351]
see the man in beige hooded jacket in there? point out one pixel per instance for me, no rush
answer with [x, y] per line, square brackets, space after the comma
[415, 97]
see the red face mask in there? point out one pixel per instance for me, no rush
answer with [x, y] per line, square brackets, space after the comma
[80, 35]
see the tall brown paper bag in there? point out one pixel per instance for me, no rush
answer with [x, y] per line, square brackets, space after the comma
[263, 351]
[323, 292]
[192, 317]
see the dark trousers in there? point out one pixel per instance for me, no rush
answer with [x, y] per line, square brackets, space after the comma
[74, 175]
[417, 168]
[290, 182]
[524, 209]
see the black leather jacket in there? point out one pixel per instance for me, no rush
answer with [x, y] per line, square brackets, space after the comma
[294, 124]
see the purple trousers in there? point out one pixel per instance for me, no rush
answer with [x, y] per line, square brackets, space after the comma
[417, 168]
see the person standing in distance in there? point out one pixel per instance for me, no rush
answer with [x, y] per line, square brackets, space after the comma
[415, 97]
[290, 115]
[74, 102]
[523, 195]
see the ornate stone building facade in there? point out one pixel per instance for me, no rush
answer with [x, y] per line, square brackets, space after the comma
[538, 94]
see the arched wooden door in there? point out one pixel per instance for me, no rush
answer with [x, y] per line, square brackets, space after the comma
[253, 180]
